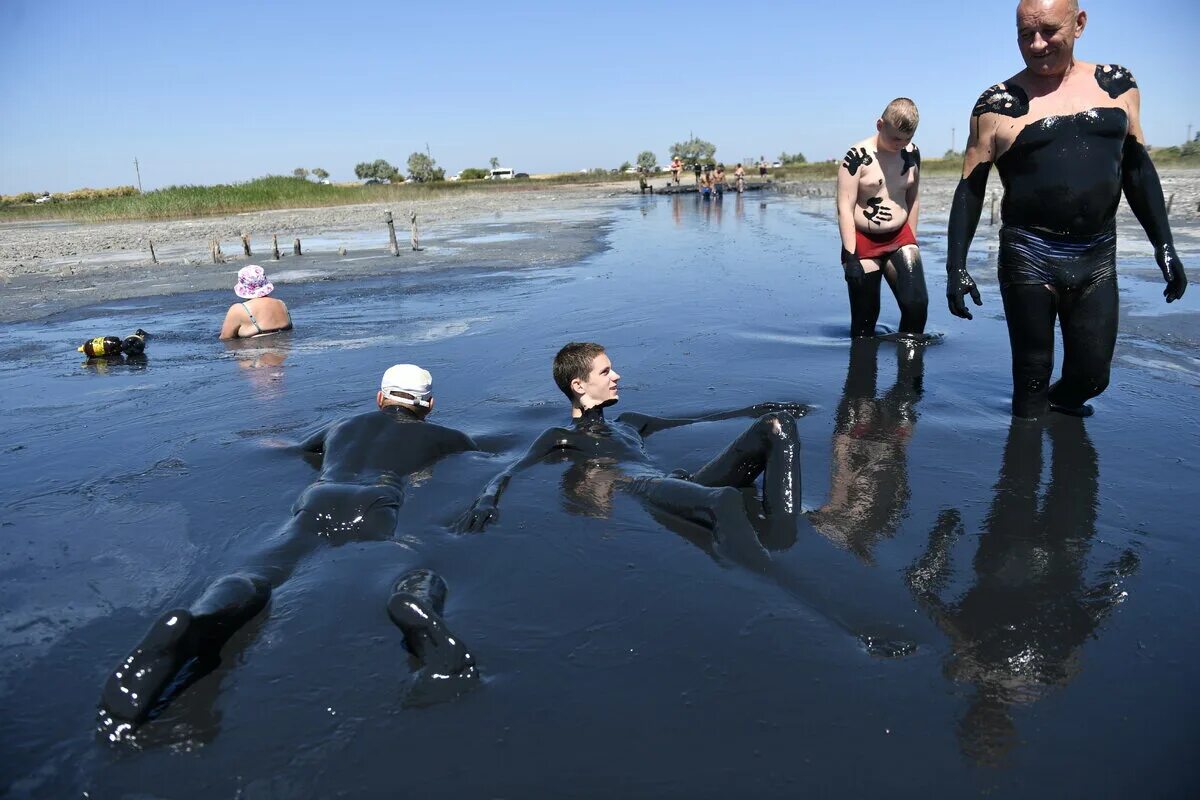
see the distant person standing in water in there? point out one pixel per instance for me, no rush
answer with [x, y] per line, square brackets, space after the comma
[762, 168]
[1066, 137]
[676, 167]
[739, 178]
[877, 218]
[258, 314]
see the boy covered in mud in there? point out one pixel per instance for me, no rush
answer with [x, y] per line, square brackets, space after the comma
[877, 218]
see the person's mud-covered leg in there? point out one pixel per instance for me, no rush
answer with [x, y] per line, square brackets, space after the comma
[906, 277]
[178, 636]
[720, 510]
[863, 289]
[447, 668]
[1030, 310]
[769, 447]
[1089, 329]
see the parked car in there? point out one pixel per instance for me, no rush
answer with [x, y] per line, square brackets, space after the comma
[521, 175]
[43, 199]
[501, 174]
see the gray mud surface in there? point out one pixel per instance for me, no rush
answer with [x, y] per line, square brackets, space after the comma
[973, 606]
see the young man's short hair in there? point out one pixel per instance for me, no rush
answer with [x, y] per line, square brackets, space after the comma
[574, 361]
[902, 115]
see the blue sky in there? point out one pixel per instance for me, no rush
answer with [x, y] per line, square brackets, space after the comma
[218, 91]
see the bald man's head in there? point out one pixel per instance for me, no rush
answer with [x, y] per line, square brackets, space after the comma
[1046, 34]
[1072, 6]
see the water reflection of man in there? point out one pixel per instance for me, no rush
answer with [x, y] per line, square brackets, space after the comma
[869, 492]
[1066, 137]
[1019, 629]
[365, 461]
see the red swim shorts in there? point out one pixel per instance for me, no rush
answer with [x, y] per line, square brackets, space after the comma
[874, 245]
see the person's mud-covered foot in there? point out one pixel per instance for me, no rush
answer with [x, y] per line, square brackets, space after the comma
[139, 679]
[447, 668]
[1082, 411]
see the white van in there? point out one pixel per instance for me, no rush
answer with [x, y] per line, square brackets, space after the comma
[502, 174]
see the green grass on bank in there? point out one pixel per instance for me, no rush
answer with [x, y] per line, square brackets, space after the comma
[279, 192]
[271, 192]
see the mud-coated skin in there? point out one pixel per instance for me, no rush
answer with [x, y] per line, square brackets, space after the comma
[770, 447]
[1063, 176]
[363, 461]
[1017, 630]
[447, 668]
[906, 278]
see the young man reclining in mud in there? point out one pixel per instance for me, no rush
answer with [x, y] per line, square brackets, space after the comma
[363, 462]
[710, 497]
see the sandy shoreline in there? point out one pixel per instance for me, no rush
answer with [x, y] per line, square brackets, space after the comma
[81, 264]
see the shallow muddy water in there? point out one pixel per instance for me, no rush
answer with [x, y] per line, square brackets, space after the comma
[974, 605]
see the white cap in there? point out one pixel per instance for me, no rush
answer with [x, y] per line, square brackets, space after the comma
[414, 383]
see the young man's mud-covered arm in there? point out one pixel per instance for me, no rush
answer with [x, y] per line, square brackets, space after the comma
[485, 508]
[847, 199]
[1143, 191]
[647, 425]
[964, 214]
[913, 194]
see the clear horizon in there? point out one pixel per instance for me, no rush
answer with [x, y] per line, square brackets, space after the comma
[226, 92]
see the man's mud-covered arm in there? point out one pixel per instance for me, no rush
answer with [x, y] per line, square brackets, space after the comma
[1144, 192]
[966, 208]
[912, 196]
[485, 508]
[847, 198]
[647, 425]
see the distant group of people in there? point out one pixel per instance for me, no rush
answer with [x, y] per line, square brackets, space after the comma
[710, 178]
[1067, 140]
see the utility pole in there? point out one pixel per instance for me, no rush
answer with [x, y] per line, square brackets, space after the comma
[952, 140]
[1189, 136]
[139, 173]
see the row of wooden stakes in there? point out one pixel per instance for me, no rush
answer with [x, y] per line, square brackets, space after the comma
[219, 258]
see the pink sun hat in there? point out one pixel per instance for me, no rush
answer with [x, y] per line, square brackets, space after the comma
[252, 282]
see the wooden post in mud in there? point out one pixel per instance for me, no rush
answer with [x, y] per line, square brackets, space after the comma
[217, 257]
[275, 246]
[387, 217]
[1170, 202]
[993, 220]
[412, 217]
[246, 244]
[296, 247]
[153, 258]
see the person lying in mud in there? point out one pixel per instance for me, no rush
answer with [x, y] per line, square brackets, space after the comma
[877, 212]
[258, 314]
[1066, 137]
[710, 497]
[364, 461]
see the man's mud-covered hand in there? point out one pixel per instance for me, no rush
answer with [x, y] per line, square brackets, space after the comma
[959, 284]
[852, 265]
[1172, 270]
[482, 512]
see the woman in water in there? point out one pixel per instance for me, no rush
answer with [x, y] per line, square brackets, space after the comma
[259, 314]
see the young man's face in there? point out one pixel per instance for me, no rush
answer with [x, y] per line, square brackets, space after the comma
[1046, 34]
[600, 387]
[890, 138]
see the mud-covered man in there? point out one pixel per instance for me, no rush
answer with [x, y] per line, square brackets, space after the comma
[877, 218]
[1066, 138]
[364, 461]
